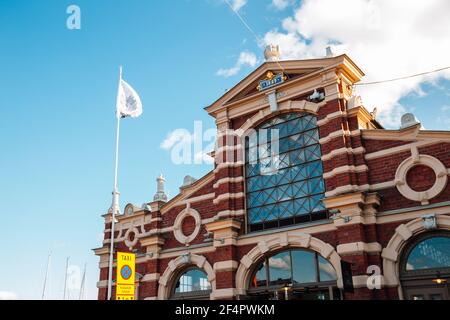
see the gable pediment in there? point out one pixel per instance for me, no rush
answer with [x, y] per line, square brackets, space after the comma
[254, 87]
[292, 69]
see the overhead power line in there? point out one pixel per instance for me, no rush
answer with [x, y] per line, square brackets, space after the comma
[401, 78]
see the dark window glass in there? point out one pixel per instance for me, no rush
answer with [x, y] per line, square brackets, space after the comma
[193, 280]
[431, 253]
[260, 277]
[284, 177]
[304, 267]
[326, 270]
[280, 268]
[294, 267]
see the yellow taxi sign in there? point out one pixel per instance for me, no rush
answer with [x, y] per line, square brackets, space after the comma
[125, 276]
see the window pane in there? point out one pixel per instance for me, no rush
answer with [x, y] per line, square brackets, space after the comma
[304, 269]
[326, 270]
[191, 281]
[290, 183]
[430, 253]
[280, 268]
[260, 277]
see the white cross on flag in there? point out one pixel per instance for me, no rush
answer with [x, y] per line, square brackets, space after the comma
[128, 102]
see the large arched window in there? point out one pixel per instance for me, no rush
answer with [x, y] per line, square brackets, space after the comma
[192, 284]
[425, 267]
[284, 182]
[306, 274]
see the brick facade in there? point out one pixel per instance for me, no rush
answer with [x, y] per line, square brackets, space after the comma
[361, 179]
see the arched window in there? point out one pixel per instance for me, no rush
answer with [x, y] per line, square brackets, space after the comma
[192, 284]
[299, 271]
[427, 254]
[425, 267]
[284, 183]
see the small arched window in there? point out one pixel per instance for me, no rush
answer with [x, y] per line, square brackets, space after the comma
[192, 283]
[428, 254]
[294, 274]
[294, 267]
[284, 182]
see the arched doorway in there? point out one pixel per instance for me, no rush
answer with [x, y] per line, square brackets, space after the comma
[191, 284]
[294, 274]
[425, 267]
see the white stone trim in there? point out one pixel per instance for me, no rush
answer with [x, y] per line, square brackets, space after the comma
[290, 106]
[224, 165]
[358, 247]
[339, 133]
[382, 185]
[391, 254]
[345, 169]
[347, 188]
[340, 151]
[229, 265]
[201, 198]
[437, 166]
[228, 196]
[230, 213]
[287, 240]
[177, 225]
[331, 116]
[166, 280]
[227, 180]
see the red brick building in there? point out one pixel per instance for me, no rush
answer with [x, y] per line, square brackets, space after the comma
[342, 189]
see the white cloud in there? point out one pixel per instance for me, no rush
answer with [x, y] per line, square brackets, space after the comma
[175, 136]
[386, 38]
[445, 108]
[6, 295]
[280, 4]
[237, 4]
[246, 58]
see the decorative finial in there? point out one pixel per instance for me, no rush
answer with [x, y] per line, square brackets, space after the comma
[272, 53]
[160, 194]
[329, 52]
[187, 181]
[409, 120]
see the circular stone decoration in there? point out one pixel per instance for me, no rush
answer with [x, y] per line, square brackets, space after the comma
[420, 178]
[178, 226]
[429, 187]
[131, 237]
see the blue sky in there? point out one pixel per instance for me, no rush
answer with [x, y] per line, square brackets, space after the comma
[57, 126]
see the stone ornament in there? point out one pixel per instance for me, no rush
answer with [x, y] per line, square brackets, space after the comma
[177, 226]
[131, 241]
[421, 196]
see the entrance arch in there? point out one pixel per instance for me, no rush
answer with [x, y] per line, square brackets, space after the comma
[404, 234]
[286, 241]
[166, 282]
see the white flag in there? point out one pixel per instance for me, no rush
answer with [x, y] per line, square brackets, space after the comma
[128, 102]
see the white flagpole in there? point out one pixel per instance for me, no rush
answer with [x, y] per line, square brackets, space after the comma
[115, 204]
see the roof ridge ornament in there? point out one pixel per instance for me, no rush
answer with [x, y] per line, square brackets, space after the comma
[160, 193]
[409, 120]
[272, 53]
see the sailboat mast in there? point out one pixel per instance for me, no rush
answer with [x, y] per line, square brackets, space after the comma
[46, 275]
[65, 278]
